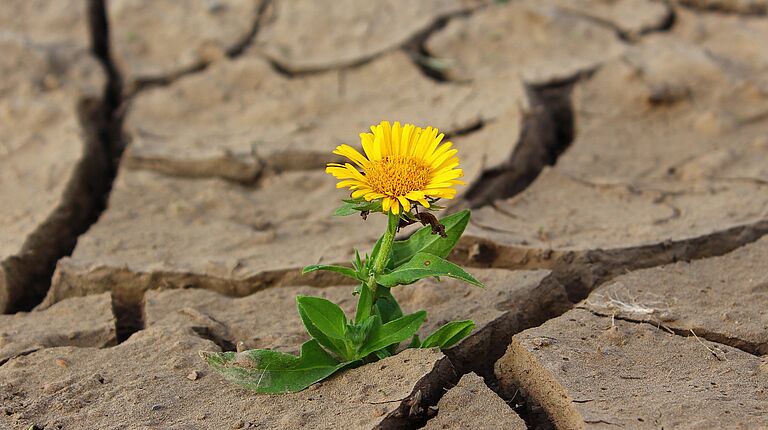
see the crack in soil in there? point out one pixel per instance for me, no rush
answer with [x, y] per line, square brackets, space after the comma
[751, 348]
[86, 193]
[546, 133]
[233, 52]
[715, 6]
[628, 36]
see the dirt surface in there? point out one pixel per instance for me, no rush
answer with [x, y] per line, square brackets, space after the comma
[700, 148]
[472, 405]
[738, 6]
[68, 387]
[720, 298]
[588, 371]
[616, 160]
[46, 157]
[166, 225]
[353, 31]
[203, 125]
[511, 302]
[82, 321]
[545, 43]
[194, 33]
[630, 18]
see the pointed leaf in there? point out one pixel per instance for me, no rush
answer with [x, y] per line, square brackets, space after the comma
[345, 209]
[449, 334]
[425, 241]
[346, 271]
[393, 332]
[325, 321]
[415, 342]
[387, 306]
[424, 265]
[364, 304]
[353, 206]
[266, 371]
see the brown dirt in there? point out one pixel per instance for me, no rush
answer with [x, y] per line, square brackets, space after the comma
[588, 371]
[48, 160]
[353, 32]
[471, 404]
[116, 387]
[597, 137]
[720, 298]
[194, 33]
[511, 302]
[202, 125]
[738, 6]
[82, 321]
[563, 45]
[674, 193]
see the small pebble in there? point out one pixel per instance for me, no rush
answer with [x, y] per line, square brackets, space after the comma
[157, 407]
[193, 375]
[202, 417]
[238, 424]
[62, 362]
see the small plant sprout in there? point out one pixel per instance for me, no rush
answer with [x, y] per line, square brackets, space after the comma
[403, 174]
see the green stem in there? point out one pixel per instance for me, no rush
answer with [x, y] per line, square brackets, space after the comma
[381, 258]
[386, 243]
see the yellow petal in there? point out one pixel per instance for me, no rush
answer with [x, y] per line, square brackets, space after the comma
[376, 150]
[449, 175]
[395, 207]
[397, 134]
[432, 143]
[406, 204]
[360, 193]
[349, 182]
[446, 155]
[372, 195]
[352, 154]
[367, 140]
[386, 138]
[415, 195]
[438, 152]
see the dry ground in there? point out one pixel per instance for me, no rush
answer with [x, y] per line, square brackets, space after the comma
[161, 184]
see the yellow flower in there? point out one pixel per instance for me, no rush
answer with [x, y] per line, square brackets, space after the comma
[402, 164]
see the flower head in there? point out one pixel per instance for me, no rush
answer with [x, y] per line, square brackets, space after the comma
[402, 164]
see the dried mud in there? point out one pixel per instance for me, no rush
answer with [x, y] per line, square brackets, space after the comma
[616, 160]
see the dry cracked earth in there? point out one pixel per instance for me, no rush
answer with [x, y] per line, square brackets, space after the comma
[161, 171]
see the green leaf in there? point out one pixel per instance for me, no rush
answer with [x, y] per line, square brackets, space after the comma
[353, 206]
[393, 332]
[266, 371]
[364, 304]
[449, 334]
[425, 241]
[415, 342]
[346, 271]
[345, 209]
[325, 321]
[387, 306]
[358, 333]
[424, 265]
[375, 251]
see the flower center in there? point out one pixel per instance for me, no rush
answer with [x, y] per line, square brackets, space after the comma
[397, 175]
